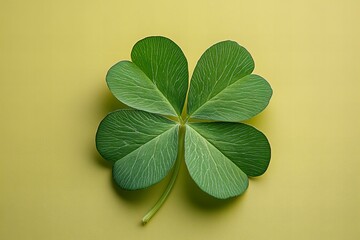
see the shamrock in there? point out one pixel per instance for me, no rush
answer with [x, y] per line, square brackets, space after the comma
[147, 142]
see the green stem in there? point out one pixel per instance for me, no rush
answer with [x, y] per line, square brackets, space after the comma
[174, 175]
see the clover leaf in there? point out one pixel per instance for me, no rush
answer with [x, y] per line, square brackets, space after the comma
[147, 142]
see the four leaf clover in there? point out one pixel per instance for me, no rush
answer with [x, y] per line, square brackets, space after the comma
[145, 143]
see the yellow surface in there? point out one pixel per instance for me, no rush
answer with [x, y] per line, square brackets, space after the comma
[53, 59]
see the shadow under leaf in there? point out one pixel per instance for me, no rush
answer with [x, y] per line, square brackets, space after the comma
[100, 161]
[130, 196]
[109, 103]
[259, 120]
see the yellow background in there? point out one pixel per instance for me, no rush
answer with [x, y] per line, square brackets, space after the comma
[53, 59]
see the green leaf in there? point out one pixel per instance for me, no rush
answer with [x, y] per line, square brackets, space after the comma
[155, 81]
[131, 86]
[142, 145]
[222, 88]
[244, 145]
[211, 169]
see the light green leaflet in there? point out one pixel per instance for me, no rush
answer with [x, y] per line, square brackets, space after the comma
[144, 146]
[222, 88]
[157, 79]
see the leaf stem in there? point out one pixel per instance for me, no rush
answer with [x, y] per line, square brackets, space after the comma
[175, 172]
